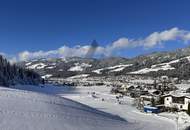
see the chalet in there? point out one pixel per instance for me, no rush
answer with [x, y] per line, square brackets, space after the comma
[126, 88]
[164, 79]
[154, 92]
[179, 102]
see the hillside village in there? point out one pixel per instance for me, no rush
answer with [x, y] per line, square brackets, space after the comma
[163, 93]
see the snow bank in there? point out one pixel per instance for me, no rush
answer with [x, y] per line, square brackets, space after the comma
[182, 119]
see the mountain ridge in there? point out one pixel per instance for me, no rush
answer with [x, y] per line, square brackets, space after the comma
[71, 66]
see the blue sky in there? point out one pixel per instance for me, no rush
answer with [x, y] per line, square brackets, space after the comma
[34, 25]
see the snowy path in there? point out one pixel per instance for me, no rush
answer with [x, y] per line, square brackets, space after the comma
[138, 120]
[24, 110]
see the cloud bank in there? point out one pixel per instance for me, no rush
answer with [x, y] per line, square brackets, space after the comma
[152, 40]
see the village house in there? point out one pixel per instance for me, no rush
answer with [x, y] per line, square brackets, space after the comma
[179, 102]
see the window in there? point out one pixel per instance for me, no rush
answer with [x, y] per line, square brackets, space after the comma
[179, 100]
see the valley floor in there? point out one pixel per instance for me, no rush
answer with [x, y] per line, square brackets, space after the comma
[106, 102]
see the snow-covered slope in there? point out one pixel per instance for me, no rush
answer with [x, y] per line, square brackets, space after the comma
[24, 110]
[126, 110]
[115, 68]
[152, 69]
[135, 120]
[36, 66]
[162, 66]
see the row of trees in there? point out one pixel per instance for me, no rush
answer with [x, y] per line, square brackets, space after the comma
[12, 74]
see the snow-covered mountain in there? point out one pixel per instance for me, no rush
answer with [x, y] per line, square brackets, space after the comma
[174, 64]
[74, 66]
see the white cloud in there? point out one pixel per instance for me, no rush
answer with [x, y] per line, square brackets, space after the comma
[157, 38]
[75, 51]
[152, 40]
[63, 51]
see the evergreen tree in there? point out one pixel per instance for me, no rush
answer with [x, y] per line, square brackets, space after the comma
[12, 74]
[188, 111]
[153, 104]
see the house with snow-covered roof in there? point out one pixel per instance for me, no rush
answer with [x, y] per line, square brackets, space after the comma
[179, 102]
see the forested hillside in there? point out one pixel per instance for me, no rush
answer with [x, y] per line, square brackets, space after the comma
[11, 74]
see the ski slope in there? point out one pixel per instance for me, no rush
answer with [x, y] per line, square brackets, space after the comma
[138, 120]
[26, 110]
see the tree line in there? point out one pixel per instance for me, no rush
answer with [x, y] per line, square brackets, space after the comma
[11, 74]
